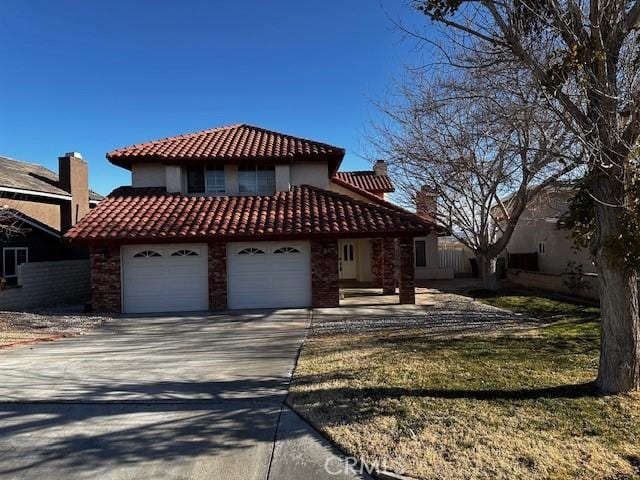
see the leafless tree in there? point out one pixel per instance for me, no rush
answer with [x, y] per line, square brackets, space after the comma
[10, 225]
[584, 56]
[485, 152]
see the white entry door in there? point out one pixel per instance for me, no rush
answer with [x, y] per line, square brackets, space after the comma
[164, 278]
[268, 275]
[347, 259]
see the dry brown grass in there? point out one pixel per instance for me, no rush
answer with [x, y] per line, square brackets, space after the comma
[499, 405]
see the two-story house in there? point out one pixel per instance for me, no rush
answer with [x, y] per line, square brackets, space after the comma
[538, 236]
[41, 205]
[243, 217]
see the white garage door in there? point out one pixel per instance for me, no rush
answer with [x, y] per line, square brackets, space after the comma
[269, 275]
[164, 278]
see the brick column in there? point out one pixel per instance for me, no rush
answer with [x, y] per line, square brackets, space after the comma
[407, 270]
[376, 262]
[105, 280]
[217, 275]
[388, 266]
[325, 291]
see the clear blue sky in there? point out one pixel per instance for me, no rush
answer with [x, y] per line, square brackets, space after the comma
[91, 76]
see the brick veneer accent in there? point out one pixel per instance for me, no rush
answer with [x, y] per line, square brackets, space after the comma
[376, 262]
[325, 291]
[105, 279]
[388, 266]
[217, 259]
[407, 271]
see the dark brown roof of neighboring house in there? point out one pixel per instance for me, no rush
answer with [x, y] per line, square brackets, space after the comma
[230, 143]
[367, 180]
[20, 175]
[152, 214]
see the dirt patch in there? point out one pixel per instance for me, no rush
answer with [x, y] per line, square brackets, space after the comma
[27, 327]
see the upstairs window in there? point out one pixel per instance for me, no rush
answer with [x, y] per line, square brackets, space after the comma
[257, 179]
[195, 180]
[214, 180]
[206, 179]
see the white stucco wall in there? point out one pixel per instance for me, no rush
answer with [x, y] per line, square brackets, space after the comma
[148, 175]
[310, 173]
[538, 224]
[173, 178]
[283, 177]
[432, 270]
[231, 184]
[364, 260]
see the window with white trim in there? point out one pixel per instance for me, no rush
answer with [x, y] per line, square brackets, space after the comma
[542, 248]
[11, 258]
[147, 254]
[184, 253]
[251, 251]
[257, 179]
[286, 251]
[208, 179]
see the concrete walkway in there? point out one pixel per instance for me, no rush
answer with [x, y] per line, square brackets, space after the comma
[194, 396]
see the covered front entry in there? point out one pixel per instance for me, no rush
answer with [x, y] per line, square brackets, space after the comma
[164, 278]
[269, 274]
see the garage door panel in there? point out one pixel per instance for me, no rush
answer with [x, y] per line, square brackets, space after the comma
[281, 277]
[164, 281]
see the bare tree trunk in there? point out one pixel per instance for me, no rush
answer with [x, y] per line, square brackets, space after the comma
[619, 369]
[488, 272]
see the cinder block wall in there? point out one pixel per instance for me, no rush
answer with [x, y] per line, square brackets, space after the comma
[44, 284]
[555, 282]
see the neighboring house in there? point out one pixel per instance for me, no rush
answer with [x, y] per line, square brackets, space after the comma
[243, 217]
[538, 244]
[43, 205]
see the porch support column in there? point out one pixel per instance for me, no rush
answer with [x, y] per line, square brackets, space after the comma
[217, 275]
[325, 288]
[105, 279]
[388, 266]
[376, 262]
[407, 271]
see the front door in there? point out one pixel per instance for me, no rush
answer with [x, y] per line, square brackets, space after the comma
[347, 259]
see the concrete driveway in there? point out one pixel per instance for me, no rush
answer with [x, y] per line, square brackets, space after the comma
[191, 396]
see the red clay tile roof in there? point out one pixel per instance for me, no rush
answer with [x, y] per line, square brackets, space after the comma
[233, 142]
[367, 180]
[152, 214]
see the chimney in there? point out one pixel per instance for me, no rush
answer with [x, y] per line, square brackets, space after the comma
[380, 168]
[426, 202]
[73, 174]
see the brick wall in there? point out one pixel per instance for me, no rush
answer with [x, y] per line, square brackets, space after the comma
[217, 276]
[325, 291]
[376, 262]
[105, 279]
[407, 270]
[388, 266]
[43, 284]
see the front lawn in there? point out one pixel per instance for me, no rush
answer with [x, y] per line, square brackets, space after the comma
[508, 403]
